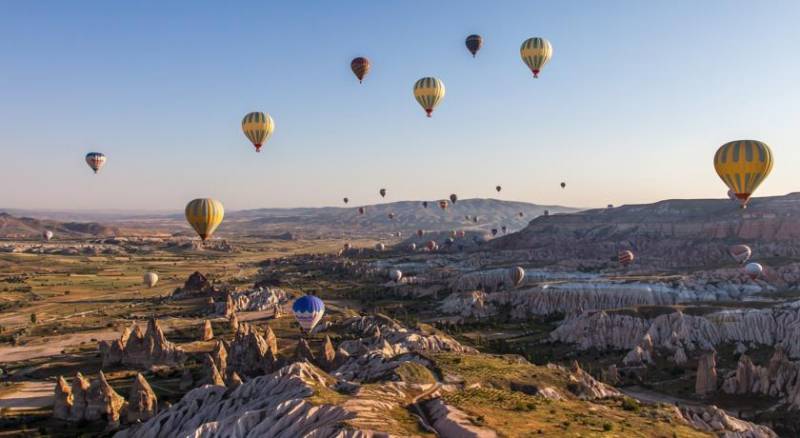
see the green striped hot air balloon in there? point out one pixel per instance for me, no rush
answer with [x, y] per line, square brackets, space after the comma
[535, 53]
[258, 128]
[429, 92]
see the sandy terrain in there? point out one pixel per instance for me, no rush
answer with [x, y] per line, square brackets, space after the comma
[51, 346]
[27, 395]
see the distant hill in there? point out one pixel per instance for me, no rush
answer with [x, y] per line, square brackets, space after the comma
[26, 227]
[677, 232]
[408, 217]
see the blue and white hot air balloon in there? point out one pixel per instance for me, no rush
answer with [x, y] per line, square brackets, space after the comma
[308, 311]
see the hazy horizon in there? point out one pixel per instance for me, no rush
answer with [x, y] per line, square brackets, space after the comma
[630, 110]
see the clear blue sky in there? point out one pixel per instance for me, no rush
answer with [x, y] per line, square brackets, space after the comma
[631, 108]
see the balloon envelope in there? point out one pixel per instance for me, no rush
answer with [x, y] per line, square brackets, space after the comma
[47, 235]
[453, 198]
[95, 160]
[258, 128]
[743, 165]
[308, 310]
[429, 92]
[753, 270]
[740, 253]
[443, 204]
[204, 215]
[382, 192]
[625, 257]
[474, 43]
[498, 188]
[150, 279]
[395, 275]
[517, 275]
[379, 247]
[535, 53]
[360, 67]
[346, 200]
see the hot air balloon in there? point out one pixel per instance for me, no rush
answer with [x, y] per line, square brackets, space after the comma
[361, 210]
[449, 241]
[443, 204]
[753, 270]
[504, 229]
[204, 215]
[382, 193]
[740, 253]
[494, 231]
[420, 233]
[95, 160]
[308, 311]
[563, 184]
[431, 245]
[360, 67]
[743, 165]
[47, 235]
[517, 275]
[453, 198]
[425, 204]
[610, 206]
[474, 43]
[547, 212]
[348, 246]
[150, 279]
[346, 200]
[395, 275]
[521, 214]
[461, 233]
[475, 219]
[466, 217]
[412, 247]
[258, 128]
[399, 234]
[625, 257]
[380, 247]
[535, 53]
[453, 233]
[429, 92]
[391, 216]
[498, 188]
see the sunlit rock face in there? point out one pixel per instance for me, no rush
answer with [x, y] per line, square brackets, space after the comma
[264, 298]
[667, 234]
[141, 350]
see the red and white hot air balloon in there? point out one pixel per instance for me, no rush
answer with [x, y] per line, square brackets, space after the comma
[740, 253]
[625, 257]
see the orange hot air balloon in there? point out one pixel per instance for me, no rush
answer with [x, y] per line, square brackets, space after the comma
[360, 67]
[443, 204]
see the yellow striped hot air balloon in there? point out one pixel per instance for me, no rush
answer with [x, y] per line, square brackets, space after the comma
[258, 128]
[204, 215]
[535, 53]
[743, 165]
[429, 92]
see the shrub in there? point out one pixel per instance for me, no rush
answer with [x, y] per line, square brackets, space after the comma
[607, 427]
[630, 404]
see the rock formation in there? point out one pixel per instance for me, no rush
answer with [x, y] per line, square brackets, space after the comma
[586, 387]
[715, 420]
[273, 405]
[142, 350]
[706, 381]
[80, 390]
[251, 355]
[262, 298]
[207, 333]
[234, 380]
[777, 326]
[197, 283]
[102, 402]
[303, 352]
[452, 422]
[233, 321]
[220, 357]
[328, 357]
[780, 378]
[62, 401]
[142, 402]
